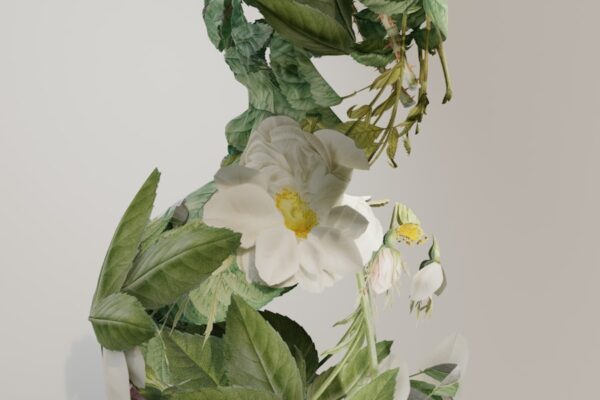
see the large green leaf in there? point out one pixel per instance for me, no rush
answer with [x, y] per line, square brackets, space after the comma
[193, 362]
[181, 260]
[301, 83]
[305, 26]
[391, 7]
[437, 11]
[120, 322]
[213, 296]
[256, 356]
[296, 338]
[351, 375]
[381, 388]
[426, 390]
[226, 393]
[124, 244]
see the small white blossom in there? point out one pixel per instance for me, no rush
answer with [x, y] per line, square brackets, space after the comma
[386, 270]
[426, 282]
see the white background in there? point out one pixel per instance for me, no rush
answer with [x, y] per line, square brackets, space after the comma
[94, 94]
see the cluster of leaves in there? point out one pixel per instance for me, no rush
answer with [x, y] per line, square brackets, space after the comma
[287, 83]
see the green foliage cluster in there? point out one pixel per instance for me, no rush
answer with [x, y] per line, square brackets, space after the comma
[171, 285]
[272, 58]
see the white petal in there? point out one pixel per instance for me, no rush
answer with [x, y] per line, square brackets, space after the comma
[246, 261]
[324, 191]
[136, 367]
[426, 282]
[341, 256]
[382, 276]
[247, 209]
[311, 256]
[372, 238]
[316, 283]
[236, 175]
[342, 149]
[348, 221]
[277, 257]
[116, 375]
[453, 350]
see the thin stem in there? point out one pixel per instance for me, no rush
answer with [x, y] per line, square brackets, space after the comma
[368, 315]
[442, 54]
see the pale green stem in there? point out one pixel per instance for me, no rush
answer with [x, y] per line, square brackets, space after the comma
[365, 301]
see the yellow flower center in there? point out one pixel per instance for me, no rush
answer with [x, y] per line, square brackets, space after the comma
[411, 233]
[297, 214]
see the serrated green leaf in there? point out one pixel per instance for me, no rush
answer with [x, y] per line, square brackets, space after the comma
[298, 79]
[305, 26]
[351, 375]
[213, 296]
[193, 362]
[124, 244]
[181, 260]
[120, 322]
[392, 7]
[437, 11]
[380, 388]
[295, 337]
[225, 393]
[248, 38]
[256, 356]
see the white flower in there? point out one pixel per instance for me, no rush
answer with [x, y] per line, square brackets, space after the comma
[426, 282]
[120, 368]
[386, 270]
[286, 200]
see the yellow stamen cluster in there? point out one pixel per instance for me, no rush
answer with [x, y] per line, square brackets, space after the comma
[297, 214]
[410, 234]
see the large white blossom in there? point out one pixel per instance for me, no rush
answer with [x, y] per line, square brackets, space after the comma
[120, 367]
[286, 198]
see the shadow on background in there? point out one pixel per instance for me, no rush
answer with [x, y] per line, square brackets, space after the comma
[84, 379]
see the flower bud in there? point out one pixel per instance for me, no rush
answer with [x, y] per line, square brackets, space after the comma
[386, 269]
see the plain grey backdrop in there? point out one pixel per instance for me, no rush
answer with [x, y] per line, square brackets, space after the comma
[94, 94]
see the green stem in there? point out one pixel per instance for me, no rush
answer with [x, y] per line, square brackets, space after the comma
[442, 54]
[365, 301]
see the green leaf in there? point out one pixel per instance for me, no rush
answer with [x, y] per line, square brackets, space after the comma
[181, 260]
[158, 373]
[196, 200]
[440, 372]
[225, 393]
[363, 134]
[298, 79]
[369, 25]
[193, 362]
[256, 356]
[120, 322]
[213, 296]
[249, 39]
[391, 7]
[380, 388]
[373, 53]
[124, 244]
[351, 375]
[433, 391]
[296, 338]
[215, 16]
[305, 26]
[239, 129]
[437, 11]
[405, 215]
